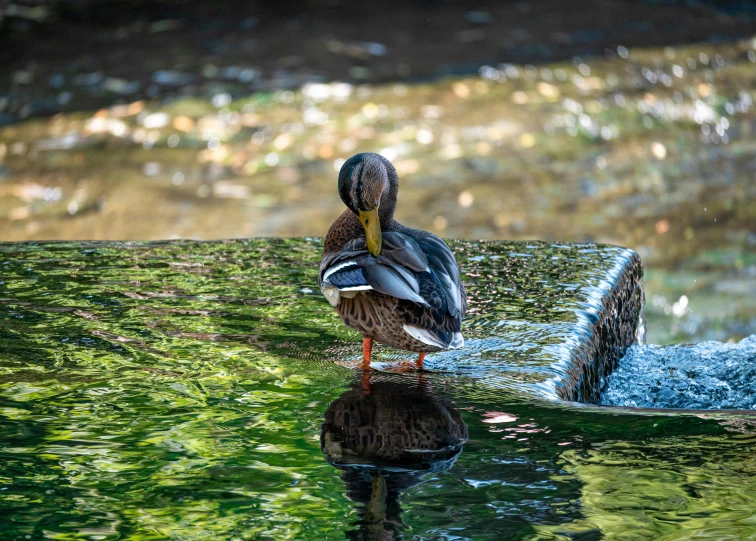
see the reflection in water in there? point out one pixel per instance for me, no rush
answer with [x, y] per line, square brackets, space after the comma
[171, 390]
[387, 433]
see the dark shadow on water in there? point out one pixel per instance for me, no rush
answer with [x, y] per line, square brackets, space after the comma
[386, 434]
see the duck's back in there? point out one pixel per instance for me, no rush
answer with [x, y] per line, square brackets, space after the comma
[409, 297]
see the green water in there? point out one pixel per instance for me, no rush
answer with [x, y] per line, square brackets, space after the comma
[177, 391]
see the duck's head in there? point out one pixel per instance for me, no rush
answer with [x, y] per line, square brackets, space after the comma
[368, 186]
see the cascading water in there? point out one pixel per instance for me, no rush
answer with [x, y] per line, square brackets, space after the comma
[709, 375]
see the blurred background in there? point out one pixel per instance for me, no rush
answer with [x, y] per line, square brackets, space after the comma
[612, 121]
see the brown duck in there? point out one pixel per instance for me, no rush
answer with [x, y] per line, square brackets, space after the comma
[391, 283]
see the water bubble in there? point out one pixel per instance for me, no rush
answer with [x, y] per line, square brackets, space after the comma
[247, 75]
[221, 100]
[283, 141]
[649, 75]
[390, 153]
[489, 72]
[572, 106]
[364, 92]
[527, 140]
[622, 51]
[678, 308]
[461, 90]
[173, 140]
[465, 199]
[271, 159]
[151, 169]
[348, 144]
[520, 97]
[315, 117]
[155, 120]
[341, 91]
[658, 150]
[178, 179]
[424, 136]
[548, 90]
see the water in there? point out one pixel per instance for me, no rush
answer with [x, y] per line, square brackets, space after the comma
[708, 375]
[179, 391]
[652, 149]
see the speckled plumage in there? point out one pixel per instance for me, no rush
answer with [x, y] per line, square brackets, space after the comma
[412, 286]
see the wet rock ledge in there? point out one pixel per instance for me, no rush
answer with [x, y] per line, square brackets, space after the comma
[545, 319]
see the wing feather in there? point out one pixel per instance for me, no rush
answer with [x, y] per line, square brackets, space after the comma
[414, 266]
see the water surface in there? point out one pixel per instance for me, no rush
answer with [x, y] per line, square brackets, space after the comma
[707, 375]
[180, 390]
[652, 149]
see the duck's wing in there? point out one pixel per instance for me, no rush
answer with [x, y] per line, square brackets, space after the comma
[443, 266]
[394, 272]
[413, 265]
[442, 289]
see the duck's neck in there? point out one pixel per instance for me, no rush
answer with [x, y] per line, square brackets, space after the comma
[388, 200]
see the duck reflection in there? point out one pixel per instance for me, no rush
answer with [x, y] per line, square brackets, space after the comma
[387, 433]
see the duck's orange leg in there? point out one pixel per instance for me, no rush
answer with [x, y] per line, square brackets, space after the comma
[420, 360]
[367, 348]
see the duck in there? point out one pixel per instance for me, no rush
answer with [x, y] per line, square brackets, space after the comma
[393, 284]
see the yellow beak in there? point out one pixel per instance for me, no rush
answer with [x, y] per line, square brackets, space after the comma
[372, 225]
